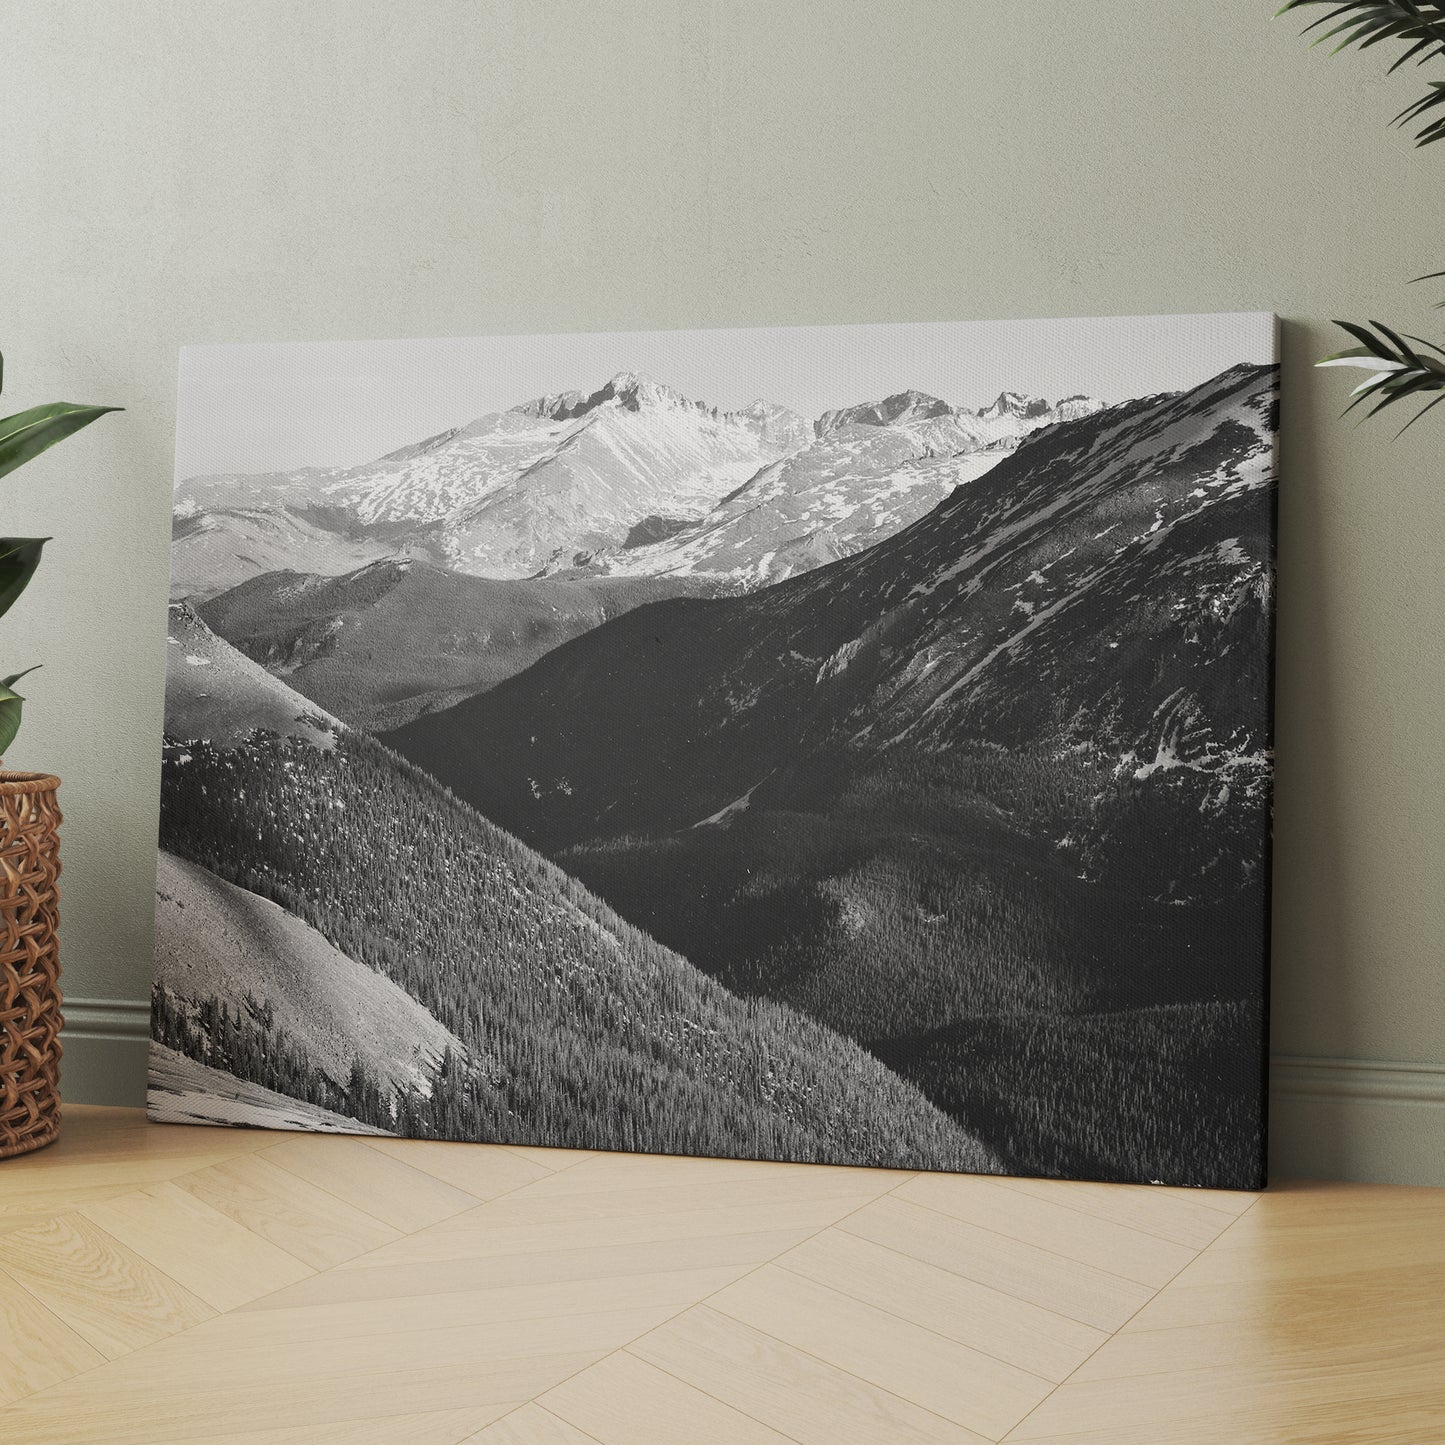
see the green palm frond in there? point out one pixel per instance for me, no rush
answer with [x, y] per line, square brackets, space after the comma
[1417, 24]
[1431, 276]
[1398, 369]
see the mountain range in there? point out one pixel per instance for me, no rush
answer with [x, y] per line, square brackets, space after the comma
[1104, 581]
[574, 480]
[1007, 768]
[888, 787]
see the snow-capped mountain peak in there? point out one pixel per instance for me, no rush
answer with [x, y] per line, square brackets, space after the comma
[901, 407]
[776, 425]
[1012, 415]
[628, 389]
[1071, 408]
[512, 492]
[1016, 404]
[566, 479]
[634, 391]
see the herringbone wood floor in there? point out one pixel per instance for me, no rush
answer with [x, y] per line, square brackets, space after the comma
[163, 1283]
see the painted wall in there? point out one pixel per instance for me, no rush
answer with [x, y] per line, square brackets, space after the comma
[236, 170]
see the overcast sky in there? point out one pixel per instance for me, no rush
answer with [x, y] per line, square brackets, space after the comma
[274, 407]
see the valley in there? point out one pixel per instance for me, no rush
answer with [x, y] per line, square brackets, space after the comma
[890, 787]
[1010, 762]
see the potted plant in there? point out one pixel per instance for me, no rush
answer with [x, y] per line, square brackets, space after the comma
[1401, 367]
[29, 846]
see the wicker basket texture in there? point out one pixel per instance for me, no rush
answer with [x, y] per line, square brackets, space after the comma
[29, 962]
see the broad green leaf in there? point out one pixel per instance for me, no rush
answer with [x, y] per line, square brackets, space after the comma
[28, 433]
[19, 557]
[10, 704]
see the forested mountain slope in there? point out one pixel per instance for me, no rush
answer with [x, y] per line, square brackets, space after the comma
[577, 1029]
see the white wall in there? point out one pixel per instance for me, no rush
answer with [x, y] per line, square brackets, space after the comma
[228, 170]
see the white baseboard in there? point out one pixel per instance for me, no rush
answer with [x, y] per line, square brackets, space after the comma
[1360, 1119]
[119, 1018]
[1365, 1119]
[1299, 1076]
[104, 1045]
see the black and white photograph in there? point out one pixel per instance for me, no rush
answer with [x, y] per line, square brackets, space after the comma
[847, 744]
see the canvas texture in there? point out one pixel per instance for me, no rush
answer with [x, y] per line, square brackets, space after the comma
[846, 744]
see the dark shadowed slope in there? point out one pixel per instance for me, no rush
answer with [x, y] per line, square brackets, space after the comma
[381, 646]
[1011, 763]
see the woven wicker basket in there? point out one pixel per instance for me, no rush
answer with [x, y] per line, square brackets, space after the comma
[29, 963]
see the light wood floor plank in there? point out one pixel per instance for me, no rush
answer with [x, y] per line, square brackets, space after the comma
[1040, 1276]
[109, 1295]
[844, 1190]
[1350, 1344]
[487, 1294]
[796, 1393]
[434, 1427]
[531, 1425]
[313, 1226]
[605, 1172]
[480, 1235]
[1088, 1238]
[1227, 1201]
[201, 1364]
[1272, 1390]
[379, 1280]
[388, 1190]
[394, 1317]
[1413, 1419]
[481, 1170]
[207, 1252]
[95, 1132]
[11, 1222]
[622, 1400]
[549, 1159]
[1231, 1405]
[133, 1415]
[1317, 1201]
[1152, 1210]
[81, 1182]
[1252, 1253]
[1037, 1340]
[961, 1384]
[1402, 1292]
[37, 1348]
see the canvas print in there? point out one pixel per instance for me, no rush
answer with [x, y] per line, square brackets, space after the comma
[845, 744]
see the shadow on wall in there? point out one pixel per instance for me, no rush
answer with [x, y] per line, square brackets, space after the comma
[1316, 888]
